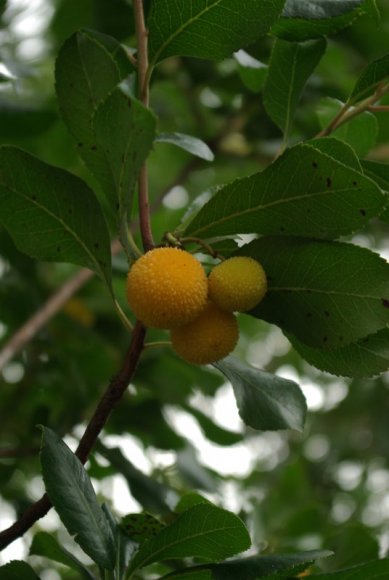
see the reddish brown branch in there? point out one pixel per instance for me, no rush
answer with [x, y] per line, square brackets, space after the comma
[143, 94]
[110, 398]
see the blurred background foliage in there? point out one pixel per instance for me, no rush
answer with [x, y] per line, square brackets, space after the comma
[177, 428]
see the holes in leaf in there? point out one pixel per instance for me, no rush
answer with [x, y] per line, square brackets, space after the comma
[314, 164]
[326, 313]
[328, 181]
[362, 212]
[385, 302]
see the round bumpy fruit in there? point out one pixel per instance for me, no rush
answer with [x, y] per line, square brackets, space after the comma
[209, 338]
[237, 284]
[167, 287]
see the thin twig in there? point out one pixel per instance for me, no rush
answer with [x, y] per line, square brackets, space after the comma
[379, 108]
[46, 312]
[348, 112]
[110, 398]
[143, 94]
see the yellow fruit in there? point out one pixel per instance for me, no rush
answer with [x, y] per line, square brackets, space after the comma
[209, 338]
[167, 287]
[237, 284]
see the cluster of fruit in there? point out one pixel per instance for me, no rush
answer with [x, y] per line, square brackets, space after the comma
[168, 288]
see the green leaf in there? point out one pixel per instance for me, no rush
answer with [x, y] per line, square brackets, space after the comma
[212, 431]
[375, 570]
[71, 493]
[124, 148]
[89, 66]
[379, 172]
[211, 29]
[141, 527]
[303, 20]
[339, 150]
[252, 71]
[360, 132]
[191, 574]
[188, 143]
[291, 64]
[365, 358]
[305, 192]
[46, 545]
[16, 570]
[204, 531]
[374, 74]
[274, 567]
[51, 214]
[265, 401]
[188, 501]
[328, 294]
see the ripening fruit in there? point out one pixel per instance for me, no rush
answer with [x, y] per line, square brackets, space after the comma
[167, 287]
[237, 284]
[208, 338]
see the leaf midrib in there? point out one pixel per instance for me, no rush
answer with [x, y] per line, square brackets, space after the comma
[319, 291]
[153, 557]
[179, 30]
[267, 206]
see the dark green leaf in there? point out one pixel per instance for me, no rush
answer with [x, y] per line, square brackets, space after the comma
[305, 192]
[328, 294]
[375, 570]
[188, 143]
[365, 358]
[274, 567]
[89, 66]
[141, 527]
[291, 64]
[360, 132]
[212, 431]
[379, 172]
[205, 531]
[211, 29]
[126, 147]
[376, 72]
[46, 545]
[191, 574]
[71, 493]
[51, 214]
[17, 570]
[338, 150]
[265, 401]
[303, 20]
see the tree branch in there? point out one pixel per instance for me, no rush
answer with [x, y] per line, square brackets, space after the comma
[143, 94]
[110, 398]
